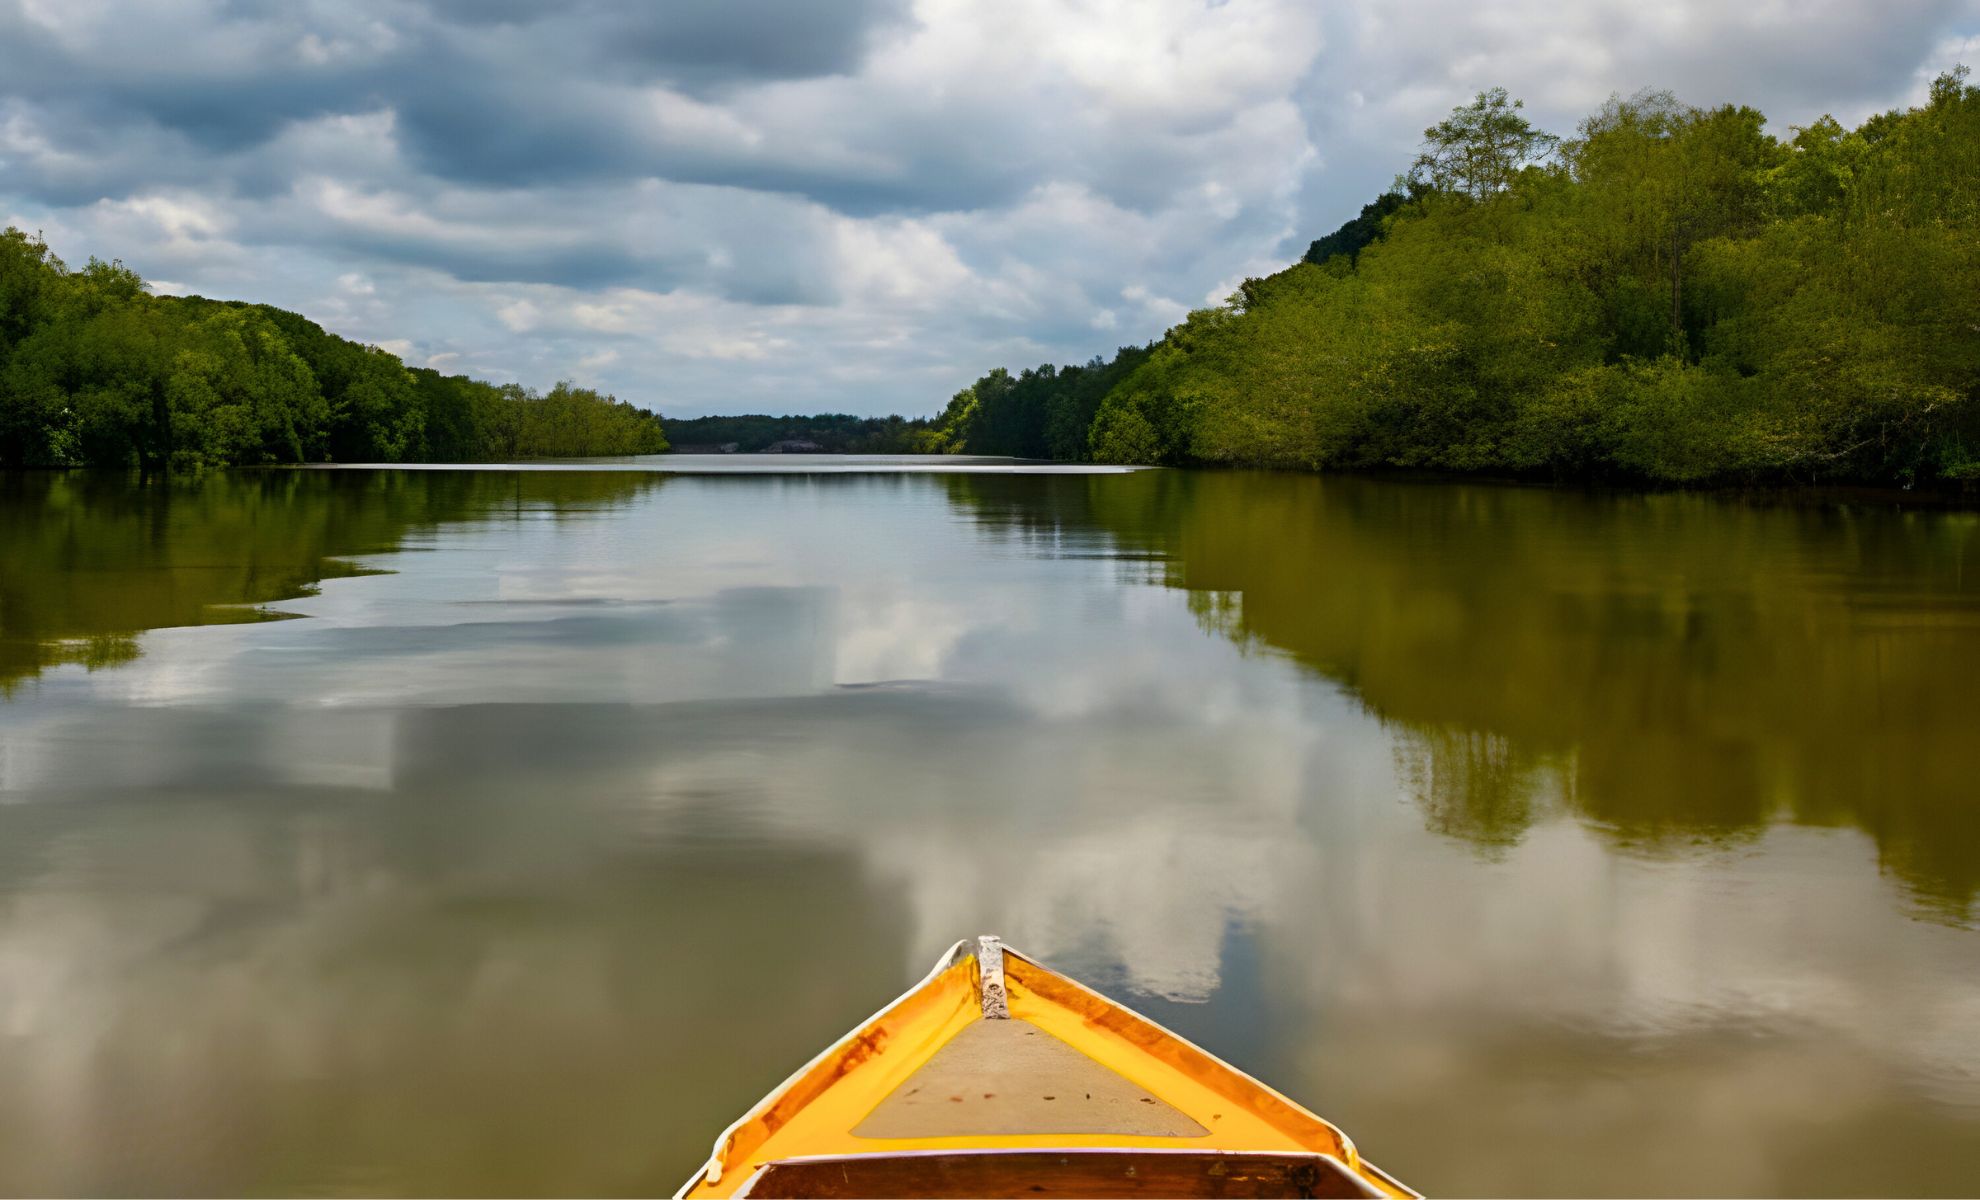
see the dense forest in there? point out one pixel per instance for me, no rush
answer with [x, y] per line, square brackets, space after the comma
[96, 371]
[1670, 295]
[1041, 412]
[832, 433]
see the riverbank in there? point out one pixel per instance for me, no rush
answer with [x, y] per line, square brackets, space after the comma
[95, 371]
[1671, 295]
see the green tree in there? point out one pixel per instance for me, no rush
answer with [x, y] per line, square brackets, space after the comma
[1660, 177]
[1481, 147]
[1352, 237]
[1679, 297]
[95, 371]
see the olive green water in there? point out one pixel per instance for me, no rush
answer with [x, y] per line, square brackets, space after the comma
[1548, 842]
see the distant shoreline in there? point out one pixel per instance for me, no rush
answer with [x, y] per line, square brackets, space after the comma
[1948, 497]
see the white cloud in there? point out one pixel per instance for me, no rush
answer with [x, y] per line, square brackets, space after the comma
[179, 217]
[1165, 309]
[519, 316]
[896, 262]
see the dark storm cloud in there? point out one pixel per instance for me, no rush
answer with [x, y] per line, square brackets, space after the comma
[698, 42]
[486, 91]
[508, 95]
[488, 94]
[713, 42]
[224, 87]
[577, 237]
[463, 124]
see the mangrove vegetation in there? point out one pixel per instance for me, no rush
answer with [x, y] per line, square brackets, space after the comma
[97, 371]
[1672, 294]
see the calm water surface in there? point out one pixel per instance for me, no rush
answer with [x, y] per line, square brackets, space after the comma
[1548, 842]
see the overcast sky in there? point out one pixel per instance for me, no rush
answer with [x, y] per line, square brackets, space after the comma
[803, 205]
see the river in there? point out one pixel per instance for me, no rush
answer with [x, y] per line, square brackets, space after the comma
[510, 831]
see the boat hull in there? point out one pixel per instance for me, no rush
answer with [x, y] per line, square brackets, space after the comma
[995, 1055]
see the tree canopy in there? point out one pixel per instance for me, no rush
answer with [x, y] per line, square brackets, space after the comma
[1673, 294]
[96, 371]
[832, 433]
[1481, 147]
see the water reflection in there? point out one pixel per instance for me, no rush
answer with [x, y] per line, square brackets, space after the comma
[93, 559]
[497, 874]
[1675, 669]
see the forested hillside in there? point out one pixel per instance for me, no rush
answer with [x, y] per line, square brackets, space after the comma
[1672, 294]
[96, 371]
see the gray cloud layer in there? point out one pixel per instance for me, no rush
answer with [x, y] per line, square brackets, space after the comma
[720, 205]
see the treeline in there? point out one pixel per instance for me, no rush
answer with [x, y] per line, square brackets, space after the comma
[96, 371]
[833, 433]
[1041, 412]
[1670, 295]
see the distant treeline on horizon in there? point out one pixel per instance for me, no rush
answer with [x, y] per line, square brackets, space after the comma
[1672, 295]
[821, 433]
[96, 371]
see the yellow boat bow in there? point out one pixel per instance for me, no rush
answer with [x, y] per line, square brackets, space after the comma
[997, 1076]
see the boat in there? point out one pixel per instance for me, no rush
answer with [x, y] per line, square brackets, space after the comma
[997, 1076]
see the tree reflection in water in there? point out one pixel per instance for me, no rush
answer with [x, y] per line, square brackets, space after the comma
[1671, 668]
[95, 558]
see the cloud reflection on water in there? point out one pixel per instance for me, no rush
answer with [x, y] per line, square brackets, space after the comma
[450, 886]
